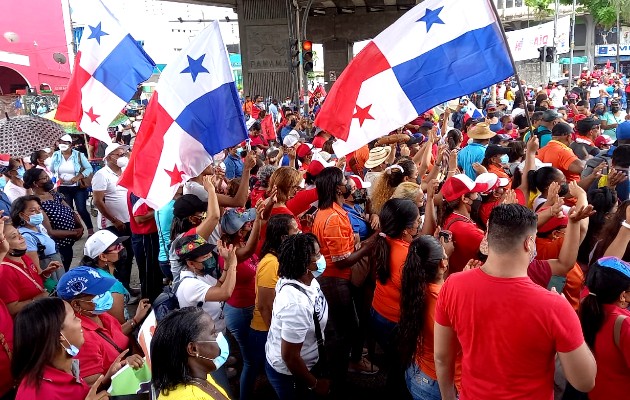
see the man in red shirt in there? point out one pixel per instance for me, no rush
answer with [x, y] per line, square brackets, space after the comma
[509, 328]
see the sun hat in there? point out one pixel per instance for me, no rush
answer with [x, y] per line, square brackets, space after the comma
[457, 186]
[235, 218]
[83, 280]
[481, 131]
[377, 156]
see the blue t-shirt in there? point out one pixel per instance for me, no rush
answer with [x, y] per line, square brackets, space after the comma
[164, 220]
[31, 238]
[359, 225]
[233, 167]
[473, 153]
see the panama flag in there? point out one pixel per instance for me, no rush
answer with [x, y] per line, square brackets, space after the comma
[472, 112]
[194, 112]
[109, 66]
[437, 51]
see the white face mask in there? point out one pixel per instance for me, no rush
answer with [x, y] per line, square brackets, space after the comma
[122, 162]
[47, 162]
[64, 147]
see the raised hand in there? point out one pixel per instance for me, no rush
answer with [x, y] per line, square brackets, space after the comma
[578, 214]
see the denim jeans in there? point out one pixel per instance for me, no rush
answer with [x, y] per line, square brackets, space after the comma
[421, 386]
[385, 333]
[285, 386]
[255, 362]
[237, 320]
[77, 196]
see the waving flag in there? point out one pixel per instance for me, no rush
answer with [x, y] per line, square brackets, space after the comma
[108, 68]
[194, 112]
[472, 112]
[437, 51]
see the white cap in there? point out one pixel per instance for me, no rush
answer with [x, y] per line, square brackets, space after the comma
[291, 139]
[66, 138]
[100, 241]
[113, 146]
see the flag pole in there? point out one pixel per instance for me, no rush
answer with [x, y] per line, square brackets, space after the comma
[518, 79]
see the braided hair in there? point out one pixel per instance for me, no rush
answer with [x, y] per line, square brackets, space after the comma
[296, 253]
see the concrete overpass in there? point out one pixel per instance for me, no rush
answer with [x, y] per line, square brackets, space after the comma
[267, 28]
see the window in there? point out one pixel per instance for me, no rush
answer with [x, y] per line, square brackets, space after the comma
[509, 3]
[500, 4]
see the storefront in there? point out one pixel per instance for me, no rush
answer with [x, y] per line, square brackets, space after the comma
[608, 52]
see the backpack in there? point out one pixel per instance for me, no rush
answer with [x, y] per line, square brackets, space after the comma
[166, 302]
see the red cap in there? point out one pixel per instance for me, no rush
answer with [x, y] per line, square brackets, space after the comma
[603, 140]
[554, 223]
[457, 186]
[360, 183]
[304, 150]
[315, 167]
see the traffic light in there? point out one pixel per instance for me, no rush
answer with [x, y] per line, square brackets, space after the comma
[294, 53]
[550, 56]
[541, 54]
[307, 55]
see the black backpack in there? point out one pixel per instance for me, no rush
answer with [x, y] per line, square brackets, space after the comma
[166, 302]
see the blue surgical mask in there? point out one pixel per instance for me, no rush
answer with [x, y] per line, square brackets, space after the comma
[464, 109]
[505, 159]
[36, 219]
[20, 172]
[102, 303]
[72, 350]
[321, 266]
[224, 347]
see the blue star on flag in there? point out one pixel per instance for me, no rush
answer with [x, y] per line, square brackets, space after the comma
[97, 32]
[195, 67]
[431, 17]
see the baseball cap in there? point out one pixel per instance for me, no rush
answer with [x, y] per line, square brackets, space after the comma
[361, 184]
[457, 186]
[100, 241]
[623, 130]
[4, 162]
[235, 218]
[315, 167]
[113, 146]
[489, 181]
[66, 138]
[304, 149]
[603, 140]
[504, 102]
[187, 205]
[490, 105]
[550, 115]
[192, 246]
[291, 139]
[494, 149]
[501, 137]
[586, 124]
[427, 124]
[616, 264]
[83, 280]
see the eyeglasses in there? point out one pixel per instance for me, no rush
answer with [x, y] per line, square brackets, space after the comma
[116, 249]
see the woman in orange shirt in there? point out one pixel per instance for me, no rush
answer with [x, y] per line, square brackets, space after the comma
[400, 221]
[422, 278]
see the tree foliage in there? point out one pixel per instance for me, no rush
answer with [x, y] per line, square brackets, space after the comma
[604, 12]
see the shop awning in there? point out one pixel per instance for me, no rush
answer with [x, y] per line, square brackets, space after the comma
[576, 60]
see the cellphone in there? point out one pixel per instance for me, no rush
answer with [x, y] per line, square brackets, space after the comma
[447, 235]
[248, 145]
[557, 282]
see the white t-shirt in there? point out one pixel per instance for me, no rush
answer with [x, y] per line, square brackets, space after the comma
[66, 172]
[292, 320]
[192, 291]
[105, 180]
[14, 191]
[556, 96]
[192, 187]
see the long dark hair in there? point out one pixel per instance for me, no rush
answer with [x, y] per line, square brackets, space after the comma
[606, 284]
[541, 178]
[296, 253]
[31, 176]
[603, 201]
[396, 216]
[169, 355]
[36, 338]
[610, 230]
[454, 139]
[277, 232]
[421, 268]
[327, 183]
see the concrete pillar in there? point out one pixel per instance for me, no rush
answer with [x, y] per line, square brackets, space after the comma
[337, 55]
[264, 35]
[589, 46]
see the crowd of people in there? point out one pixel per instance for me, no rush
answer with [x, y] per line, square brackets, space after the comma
[462, 257]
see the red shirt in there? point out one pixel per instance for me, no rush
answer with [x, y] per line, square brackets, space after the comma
[6, 342]
[506, 353]
[97, 354]
[17, 286]
[263, 229]
[466, 238]
[613, 363]
[54, 385]
[244, 294]
[137, 208]
[258, 140]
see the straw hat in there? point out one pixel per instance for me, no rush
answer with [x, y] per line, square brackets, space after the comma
[481, 131]
[378, 155]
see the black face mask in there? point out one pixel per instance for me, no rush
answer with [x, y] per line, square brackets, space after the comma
[614, 109]
[122, 257]
[359, 197]
[17, 253]
[490, 115]
[564, 189]
[293, 124]
[348, 191]
[48, 186]
[474, 209]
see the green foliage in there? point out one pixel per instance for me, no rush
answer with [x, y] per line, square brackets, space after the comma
[540, 7]
[604, 12]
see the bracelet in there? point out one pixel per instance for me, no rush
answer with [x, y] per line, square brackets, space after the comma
[314, 386]
[625, 224]
[133, 322]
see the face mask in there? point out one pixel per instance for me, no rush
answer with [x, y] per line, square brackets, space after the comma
[464, 109]
[17, 253]
[122, 258]
[614, 109]
[599, 112]
[122, 162]
[490, 115]
[20, 172]
[64, 147]
[72, 350]
[224, 347]
[505, 159]
[102, 303]
[359, 197]
[48, 162]
[48, 186]
[321, 266]
[209, 266]
[293, 124]
[36, 219]
[474, 209]
[564, 189]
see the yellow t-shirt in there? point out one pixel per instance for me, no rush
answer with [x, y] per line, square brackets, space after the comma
[192, 392]
[267, 277]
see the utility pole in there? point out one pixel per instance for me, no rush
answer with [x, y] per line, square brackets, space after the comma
[618, 63]
[302, 78]
[572, 46]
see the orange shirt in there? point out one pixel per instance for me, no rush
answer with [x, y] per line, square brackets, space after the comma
[560, 156]
[387, 296]
[336, 239]
[501, 174]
